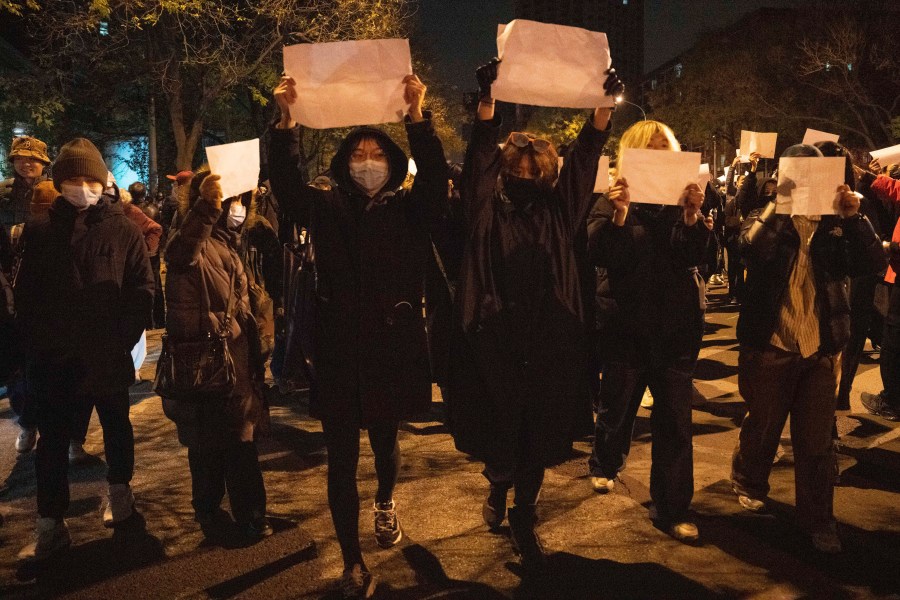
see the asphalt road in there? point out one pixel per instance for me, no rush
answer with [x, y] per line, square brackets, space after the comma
[602, 546]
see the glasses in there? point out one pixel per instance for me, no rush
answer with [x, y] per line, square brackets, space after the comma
[522, 140]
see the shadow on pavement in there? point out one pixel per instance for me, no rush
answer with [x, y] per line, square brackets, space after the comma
[713, 370]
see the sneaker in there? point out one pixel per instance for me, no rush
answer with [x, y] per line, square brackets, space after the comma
[685, 532]
[26, 440]
[647, 399]
[716, 280]
[119, 504]
[602, 485]
[751, 504]
[825, 539]
[356, 582]
[247, 534]
[494, 509]
[387, 525]
[50, 537]
[77, 455]
[875, 404]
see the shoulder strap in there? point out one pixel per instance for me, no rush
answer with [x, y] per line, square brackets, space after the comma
[440, 263]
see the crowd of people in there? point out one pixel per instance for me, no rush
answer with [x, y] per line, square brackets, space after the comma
[542, 301]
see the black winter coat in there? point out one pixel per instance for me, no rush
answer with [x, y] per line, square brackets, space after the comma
[84, 293]
[518, 361]
[652, 265]
[371, 253]
[839, 249]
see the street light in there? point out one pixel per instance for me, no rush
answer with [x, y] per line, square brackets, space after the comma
[622, 100]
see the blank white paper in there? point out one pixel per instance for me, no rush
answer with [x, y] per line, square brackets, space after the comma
[237, 164]
[658, 176]
[807, 185]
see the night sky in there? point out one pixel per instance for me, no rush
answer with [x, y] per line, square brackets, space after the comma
[461, 34]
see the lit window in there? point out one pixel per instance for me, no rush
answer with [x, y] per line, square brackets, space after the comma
[828, 66]
[624, 2]
[678, 69]
[849, 66]
[104, 28]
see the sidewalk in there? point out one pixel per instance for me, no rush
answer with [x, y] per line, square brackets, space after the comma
[603, 546]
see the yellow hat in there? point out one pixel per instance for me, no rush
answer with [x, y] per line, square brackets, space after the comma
[27, 146]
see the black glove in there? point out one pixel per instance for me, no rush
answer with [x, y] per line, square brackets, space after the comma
[486, 75]
[613, 86]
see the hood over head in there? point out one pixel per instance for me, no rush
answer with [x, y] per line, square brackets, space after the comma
[397, 160]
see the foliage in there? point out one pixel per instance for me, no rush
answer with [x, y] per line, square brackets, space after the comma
[17, 7]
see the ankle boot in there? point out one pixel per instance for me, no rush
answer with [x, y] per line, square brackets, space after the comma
[525, 540]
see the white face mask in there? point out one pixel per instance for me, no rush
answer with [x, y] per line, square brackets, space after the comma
[237, 213]
[370, 175]
[80, 196]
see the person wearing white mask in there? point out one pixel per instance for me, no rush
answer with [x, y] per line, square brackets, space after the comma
[84, 286]
[372, 245]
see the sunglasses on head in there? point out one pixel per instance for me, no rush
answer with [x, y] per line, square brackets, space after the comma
[522, 140]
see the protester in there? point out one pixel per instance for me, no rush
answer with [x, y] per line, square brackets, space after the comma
[518, 384]
[29, 158]
[207, 293]
[652, 253]
[84, 287]
[732, 234]
[792, 327]
[371, 245]
[169, 211]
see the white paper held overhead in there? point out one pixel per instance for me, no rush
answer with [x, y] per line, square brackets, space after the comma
[807, 185]
[887, 156]
[814, 135]
[658, 176]
[754, 141]
[341, 84]
[237, 164]
[551, 65]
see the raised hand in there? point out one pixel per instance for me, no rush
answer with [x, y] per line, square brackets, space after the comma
[285, 96]
[211, 190]
[613, 86]
[414, 94]
[875, 166]
[754, 160]
[691, 199]
[620, 199]
[486, 75]
[848, 202]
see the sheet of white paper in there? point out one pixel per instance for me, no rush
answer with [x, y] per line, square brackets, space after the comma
[814, 135]
[887, 156]
[551, 65]
[808, 185]
[754, 141]
[658, 176]
[705, 177]
[341, 84]
[237, 164]
[601, 185]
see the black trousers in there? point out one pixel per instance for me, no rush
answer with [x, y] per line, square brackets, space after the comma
[890, 351]
[672, 469]
[18, 399]
[51, 388]
[342, 443]
[230, 466]
[862, 309]
[735, 268]
[159, 299]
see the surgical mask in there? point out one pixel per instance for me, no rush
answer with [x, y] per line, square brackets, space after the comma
[237, 214]
[370, 175]
[80, 196]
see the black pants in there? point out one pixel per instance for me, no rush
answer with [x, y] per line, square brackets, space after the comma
[890, 351]
[51, 388]
[735, 268]
[230, 466]
[672, 470]
[526, 481]
[342, 443]
[82, 421]
[862, 308]
[159, 300]
[23, 407]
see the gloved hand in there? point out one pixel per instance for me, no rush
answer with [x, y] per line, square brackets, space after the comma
[211, 190]
[613, 86]
[486, 75]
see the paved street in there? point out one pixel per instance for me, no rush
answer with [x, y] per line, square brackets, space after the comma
[602, 546]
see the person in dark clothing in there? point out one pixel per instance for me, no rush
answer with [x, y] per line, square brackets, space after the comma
[518, 385]
[731, 234]
[651, 253]
[372, 246]
[205, 267]
[29, 158]
[793, 324]
[139, 199]
[84, 284]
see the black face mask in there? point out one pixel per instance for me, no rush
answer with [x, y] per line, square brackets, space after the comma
[519, 189]
[769, 197]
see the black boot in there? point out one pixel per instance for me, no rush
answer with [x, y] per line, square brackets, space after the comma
[525, 540]
[494, 509]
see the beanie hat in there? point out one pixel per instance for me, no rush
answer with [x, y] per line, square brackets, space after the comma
[29, 147]
[79, 158]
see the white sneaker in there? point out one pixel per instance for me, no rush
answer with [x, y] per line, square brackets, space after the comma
[119, 504]
[50, 536]
[26, 440]
[77, 455]
[647, 400]
[602, 485]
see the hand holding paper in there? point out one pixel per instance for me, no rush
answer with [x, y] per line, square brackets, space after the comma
[237, 164]
[620, 199]
[807, 186]
[659, 176]
[211, 190]
[754, 141]
[887, 156]
[691, 199]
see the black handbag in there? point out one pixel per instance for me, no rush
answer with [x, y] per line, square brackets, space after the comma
[198, 369]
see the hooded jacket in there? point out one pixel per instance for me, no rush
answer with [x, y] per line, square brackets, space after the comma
[371, 255]
[84, 286]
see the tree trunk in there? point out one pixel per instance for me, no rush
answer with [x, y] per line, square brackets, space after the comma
[153, 179]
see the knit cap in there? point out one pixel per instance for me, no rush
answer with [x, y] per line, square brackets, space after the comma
[79, 158]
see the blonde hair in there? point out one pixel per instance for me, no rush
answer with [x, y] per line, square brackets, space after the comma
[639, 136]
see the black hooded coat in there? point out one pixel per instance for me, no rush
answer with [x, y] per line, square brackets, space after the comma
[518, 380]
[371, 254]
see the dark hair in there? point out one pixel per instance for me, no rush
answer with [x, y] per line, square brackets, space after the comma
[836, 150]
[137, 191]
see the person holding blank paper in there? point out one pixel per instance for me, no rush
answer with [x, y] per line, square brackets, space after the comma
[372, 246]
[793, 325]
[651, 252]
[518, 384]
